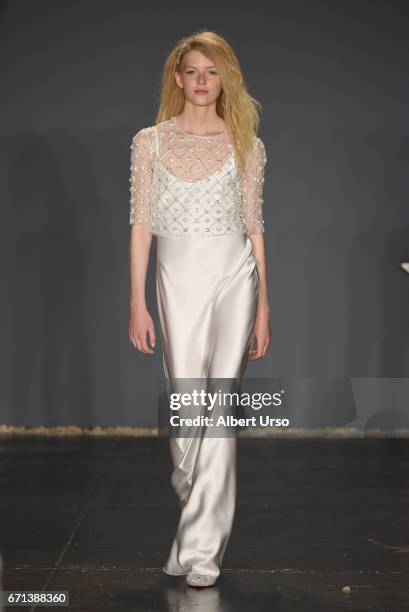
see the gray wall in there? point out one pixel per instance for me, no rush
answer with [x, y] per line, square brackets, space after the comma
[80, 78]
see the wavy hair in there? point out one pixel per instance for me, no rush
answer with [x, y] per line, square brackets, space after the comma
[235, 105]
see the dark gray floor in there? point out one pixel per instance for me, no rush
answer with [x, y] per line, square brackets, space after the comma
[96, 517]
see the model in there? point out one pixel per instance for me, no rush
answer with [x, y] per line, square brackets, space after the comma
[196, 184]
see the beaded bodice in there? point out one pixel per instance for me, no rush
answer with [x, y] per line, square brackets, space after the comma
[183, 183]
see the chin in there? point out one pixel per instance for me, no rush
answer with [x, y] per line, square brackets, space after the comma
[201, 100]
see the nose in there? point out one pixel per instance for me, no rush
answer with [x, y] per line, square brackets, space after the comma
[201, 79]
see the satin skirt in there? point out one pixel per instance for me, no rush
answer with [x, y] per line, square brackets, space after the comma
[207, 294]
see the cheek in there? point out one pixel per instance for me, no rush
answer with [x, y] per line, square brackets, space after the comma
[214, 83]
[188, 82]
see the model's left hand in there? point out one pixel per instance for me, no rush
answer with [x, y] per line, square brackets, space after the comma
[261, 336]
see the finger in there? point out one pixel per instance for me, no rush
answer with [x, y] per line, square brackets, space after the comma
[253, 353]
[258, 351]
[152, 337]
[132, 339]
[145, 348]
[142, 341]
[265, 347]
[148, 342]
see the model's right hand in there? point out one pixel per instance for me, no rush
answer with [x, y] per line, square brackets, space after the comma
[141, 325]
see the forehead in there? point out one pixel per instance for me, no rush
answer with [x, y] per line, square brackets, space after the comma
[196, 58]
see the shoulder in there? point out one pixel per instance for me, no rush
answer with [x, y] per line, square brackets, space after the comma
[257, 152]
[258, 143]
[259, 148]
[143, 135]
[143, 141]
[147, 134]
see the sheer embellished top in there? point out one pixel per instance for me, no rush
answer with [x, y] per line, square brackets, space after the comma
[184, 184]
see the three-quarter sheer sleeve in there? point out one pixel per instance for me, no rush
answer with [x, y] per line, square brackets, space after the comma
[142, 155]
[252, 188]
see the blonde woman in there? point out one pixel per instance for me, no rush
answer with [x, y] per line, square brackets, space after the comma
[196, 184]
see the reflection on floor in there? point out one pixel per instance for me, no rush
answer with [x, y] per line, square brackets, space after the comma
[321, 524]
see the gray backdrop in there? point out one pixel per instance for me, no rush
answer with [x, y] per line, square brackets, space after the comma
[79, 79]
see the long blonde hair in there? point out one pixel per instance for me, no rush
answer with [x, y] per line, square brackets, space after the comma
[235, 105]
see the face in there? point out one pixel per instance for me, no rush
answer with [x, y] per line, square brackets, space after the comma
[199, 79]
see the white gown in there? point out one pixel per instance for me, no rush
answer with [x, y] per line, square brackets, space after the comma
[190, 192]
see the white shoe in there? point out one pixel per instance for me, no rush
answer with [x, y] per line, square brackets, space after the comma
[200, 580]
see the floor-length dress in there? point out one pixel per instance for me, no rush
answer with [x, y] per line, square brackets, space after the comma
[191, 193]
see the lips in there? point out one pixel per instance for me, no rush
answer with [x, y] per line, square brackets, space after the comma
[201, 91]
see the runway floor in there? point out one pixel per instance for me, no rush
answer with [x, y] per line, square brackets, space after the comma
[321, 524]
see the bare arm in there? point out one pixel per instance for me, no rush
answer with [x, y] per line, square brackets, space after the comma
[140, 321]
[262, 329]
[253, 180]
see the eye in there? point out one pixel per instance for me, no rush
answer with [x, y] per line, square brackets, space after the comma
[212, 71]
